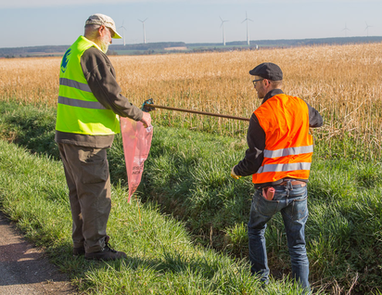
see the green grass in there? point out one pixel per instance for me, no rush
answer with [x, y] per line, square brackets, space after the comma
[161, 257]
[190, 204]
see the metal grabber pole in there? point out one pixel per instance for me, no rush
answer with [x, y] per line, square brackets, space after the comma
[149, 105]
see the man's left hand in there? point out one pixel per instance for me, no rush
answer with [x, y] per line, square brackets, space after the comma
[233, 174]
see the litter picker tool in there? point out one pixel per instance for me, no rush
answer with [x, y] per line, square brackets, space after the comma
[149, 105]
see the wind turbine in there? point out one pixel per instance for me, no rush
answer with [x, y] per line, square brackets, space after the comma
[367, 29]
[222, 26]
[124, 30]
[246, 20]
[144, 31]
[346, 29]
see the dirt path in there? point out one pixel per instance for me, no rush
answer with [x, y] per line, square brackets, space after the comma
[24, 269]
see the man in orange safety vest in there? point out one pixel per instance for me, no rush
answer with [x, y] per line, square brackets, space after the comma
[278, 157]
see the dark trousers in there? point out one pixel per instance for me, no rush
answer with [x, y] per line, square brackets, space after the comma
[88, 179]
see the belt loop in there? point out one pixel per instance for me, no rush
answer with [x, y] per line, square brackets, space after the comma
[289, 184]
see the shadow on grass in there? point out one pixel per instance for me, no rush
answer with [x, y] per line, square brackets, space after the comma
[79, 267]
[29, 127]
[209, 203]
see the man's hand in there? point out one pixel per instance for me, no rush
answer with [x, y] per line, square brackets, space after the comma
[233, 174]
[146, 119]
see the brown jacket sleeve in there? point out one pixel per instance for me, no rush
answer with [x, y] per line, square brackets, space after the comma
[100, 75]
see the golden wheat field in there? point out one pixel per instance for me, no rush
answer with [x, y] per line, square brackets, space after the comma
[342, 82]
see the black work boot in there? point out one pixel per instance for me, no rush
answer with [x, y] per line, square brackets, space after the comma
[105, 254]
[79, 251]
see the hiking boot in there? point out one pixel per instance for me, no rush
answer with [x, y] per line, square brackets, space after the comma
[79, 251]
[106, 254]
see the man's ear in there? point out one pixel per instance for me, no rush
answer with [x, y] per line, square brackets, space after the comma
[101, 30]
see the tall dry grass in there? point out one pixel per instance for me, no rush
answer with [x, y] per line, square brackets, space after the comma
[342, 82]
[30, 80]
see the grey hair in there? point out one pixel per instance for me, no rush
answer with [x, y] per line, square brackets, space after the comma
[91, 31]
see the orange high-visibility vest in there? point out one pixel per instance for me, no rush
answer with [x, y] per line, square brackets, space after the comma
[288, 144]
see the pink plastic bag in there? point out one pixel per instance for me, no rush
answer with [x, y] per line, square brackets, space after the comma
[136, 147]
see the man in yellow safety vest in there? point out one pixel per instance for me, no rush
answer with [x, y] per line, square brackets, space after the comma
[278, 157]
[89, 105]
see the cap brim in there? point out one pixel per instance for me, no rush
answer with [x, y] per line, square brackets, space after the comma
[253, 72]
[116, 35]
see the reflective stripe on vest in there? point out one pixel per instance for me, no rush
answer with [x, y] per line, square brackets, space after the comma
[75, 84]
[288, 144]
[288, 151]
[78, 110]
[284, 167]
[77, 102]
[80, 103]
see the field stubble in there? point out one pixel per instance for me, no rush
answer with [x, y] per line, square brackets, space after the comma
[342, 82]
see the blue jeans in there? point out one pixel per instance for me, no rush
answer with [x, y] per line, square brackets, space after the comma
[291, 201]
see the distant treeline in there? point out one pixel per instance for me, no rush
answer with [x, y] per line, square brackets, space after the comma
[148, 46]
[160, 47]
[33, 51]
[296, 42]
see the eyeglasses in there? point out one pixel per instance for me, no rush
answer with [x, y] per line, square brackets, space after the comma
[255, 81]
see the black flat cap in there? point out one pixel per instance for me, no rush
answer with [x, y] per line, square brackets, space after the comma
[268, 71]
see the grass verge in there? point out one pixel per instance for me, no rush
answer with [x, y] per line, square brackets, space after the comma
[187, 174]
[162, 258]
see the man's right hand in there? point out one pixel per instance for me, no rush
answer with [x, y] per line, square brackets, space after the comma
[146, 119]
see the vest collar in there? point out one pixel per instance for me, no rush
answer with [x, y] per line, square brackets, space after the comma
[87, 40]
[272, 93]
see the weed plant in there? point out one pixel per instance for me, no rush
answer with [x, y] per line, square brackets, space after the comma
[187, 177]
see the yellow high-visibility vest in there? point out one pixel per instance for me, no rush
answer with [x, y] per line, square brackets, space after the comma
[288, 144]
[78, 111]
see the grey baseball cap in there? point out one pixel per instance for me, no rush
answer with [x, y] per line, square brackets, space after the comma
[103, 20]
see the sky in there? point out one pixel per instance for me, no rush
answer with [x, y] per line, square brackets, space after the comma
[60, 22]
